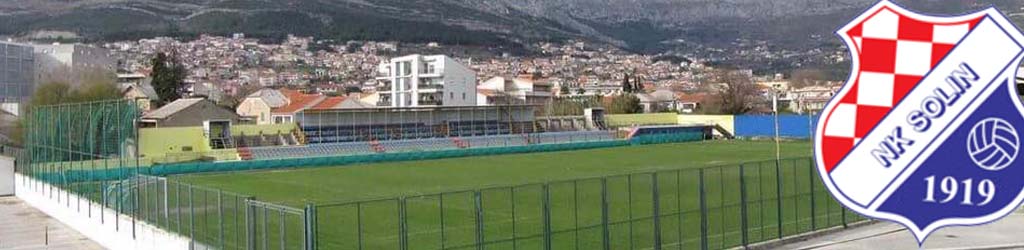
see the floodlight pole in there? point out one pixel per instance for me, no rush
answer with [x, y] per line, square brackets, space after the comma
[775, 110]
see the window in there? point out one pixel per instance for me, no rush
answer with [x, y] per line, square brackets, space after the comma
[463, 96]
[451, 95]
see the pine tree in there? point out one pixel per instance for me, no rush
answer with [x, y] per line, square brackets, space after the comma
[168, 78]
[638, 86]
[626, 86]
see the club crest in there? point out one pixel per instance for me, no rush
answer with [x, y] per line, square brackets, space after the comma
[926, 130]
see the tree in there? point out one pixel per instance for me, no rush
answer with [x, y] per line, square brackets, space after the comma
[56, 92]
[736, 94]
[51, 93]
[625, 104]
[581, 91]
[563, 90]
[95, 91]
[639, 86]
[806, 77]
[168, 77]
[626, 86]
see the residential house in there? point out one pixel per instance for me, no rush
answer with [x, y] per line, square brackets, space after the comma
[523, 89]
[188, 112]
[142, 93]
[658, 101]
[275, 106]
[691, 103]
[811, 99]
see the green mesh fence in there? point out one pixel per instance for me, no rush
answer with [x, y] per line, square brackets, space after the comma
[64, 143]
[85, 154]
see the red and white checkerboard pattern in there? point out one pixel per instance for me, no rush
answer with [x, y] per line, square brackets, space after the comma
[895, 52]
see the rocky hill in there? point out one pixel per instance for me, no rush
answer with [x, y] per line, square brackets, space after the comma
[635, 24]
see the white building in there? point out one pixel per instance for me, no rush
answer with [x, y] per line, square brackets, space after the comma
[524, 89]
[423, 81]
[71, 63]
[811, 99]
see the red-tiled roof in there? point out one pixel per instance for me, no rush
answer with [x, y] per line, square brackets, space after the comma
[297, 101]
[696, 97]
[330, 102]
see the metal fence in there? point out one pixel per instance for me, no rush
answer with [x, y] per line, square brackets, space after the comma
[86, 155]
[708, 208]
[209, 218]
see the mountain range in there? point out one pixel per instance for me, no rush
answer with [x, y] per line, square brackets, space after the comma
[642, 25]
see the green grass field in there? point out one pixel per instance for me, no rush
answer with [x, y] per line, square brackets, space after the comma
[461, 202]
[347, 183]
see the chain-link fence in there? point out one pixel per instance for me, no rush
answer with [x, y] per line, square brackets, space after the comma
[708, 208]
[84, 155]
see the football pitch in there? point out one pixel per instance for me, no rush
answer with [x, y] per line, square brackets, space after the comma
[693, 195]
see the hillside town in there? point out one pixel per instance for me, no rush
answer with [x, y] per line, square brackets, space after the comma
[229, 70]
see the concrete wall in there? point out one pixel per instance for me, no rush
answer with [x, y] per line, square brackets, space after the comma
[111, 230]
[157, 142]
[171, 142]
[794, 126]
[6, 176]
[620, 120]
[250, 129]
[726, 121]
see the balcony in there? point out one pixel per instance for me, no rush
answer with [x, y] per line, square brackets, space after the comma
[430, 99]
[429, 103]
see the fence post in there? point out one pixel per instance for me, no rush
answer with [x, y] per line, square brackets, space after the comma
[191, 219]
[309, 232]
[479, 217]
[605, 235]
[220, 216]
[440, 205]
[167, 212]
[743, 205]
[778, 197]
[843, 210]
[250, 224]
[403, 231]
[703, 213]
[656, 209]
[814, 215]
[177, 205]
[546, 204]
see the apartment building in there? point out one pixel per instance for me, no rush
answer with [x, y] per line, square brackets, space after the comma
[425, 81]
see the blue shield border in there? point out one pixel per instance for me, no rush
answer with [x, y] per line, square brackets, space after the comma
[919, 233]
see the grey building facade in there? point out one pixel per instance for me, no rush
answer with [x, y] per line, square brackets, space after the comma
[17, 70]
[72, 63]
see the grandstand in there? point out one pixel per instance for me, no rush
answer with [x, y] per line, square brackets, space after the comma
[427, 144]
[354, 125]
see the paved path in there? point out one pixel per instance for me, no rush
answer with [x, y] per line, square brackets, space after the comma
[1007, 233]
[24, 227]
